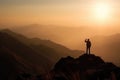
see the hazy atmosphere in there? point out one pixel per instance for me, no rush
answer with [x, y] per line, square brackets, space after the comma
[66, 22]
[54, 28]
[97, 13]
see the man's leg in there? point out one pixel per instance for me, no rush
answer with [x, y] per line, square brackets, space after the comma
[89, 50]
[86, 50]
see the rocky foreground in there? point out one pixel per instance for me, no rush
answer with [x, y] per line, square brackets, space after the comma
[86, 67]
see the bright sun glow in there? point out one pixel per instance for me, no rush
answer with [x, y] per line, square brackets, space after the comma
[102, 11]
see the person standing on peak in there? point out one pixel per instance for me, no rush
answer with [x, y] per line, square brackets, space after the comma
[88, 45]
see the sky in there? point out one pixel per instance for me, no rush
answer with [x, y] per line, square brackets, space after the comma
[60, 12]
[80, 15]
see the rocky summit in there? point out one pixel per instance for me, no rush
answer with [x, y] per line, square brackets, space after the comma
[85, 67]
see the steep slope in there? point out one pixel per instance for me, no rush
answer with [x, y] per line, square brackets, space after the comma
[36, 43]
[25, 52]
[19, 37]
[25, 56]
[61, 50]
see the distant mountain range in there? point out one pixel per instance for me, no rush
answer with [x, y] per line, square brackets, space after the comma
[19, 54]
[68, 36]
[107, 46]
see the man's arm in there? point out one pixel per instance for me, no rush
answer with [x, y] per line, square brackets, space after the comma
[85, 40]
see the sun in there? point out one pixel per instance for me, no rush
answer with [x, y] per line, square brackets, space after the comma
[102, 11]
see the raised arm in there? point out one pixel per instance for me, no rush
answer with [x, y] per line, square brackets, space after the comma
[85, 40]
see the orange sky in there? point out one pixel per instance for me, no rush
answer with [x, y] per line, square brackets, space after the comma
[102, 15]
[59, 12]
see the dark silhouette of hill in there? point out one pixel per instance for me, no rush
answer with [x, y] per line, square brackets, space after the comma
[23, 54]
[84, 61]
[19, 54]
[61, 50]
[86, 67]
[37, 42]
[11, 65]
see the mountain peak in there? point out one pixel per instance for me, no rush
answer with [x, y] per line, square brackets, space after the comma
[5, 30]
[85, 61]
[8, 31]
[87, 58]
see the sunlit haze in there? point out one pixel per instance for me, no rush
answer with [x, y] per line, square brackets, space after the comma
[60, 39]
[94, 17]
[102, 11]
[60, 12]
[66, 22]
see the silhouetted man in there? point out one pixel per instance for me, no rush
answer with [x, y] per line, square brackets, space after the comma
[88, 45]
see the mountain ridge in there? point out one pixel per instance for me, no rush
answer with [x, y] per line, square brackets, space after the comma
[26, 56]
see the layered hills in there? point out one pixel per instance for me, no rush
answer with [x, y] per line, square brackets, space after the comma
[19, 54]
